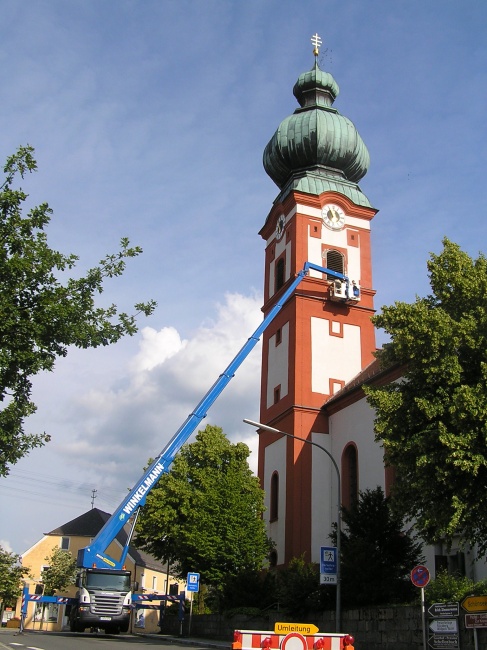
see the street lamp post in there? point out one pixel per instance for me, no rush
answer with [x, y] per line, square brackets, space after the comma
[265, 427]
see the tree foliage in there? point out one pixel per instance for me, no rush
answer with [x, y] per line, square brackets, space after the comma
[377, 555]
[433, 424]
[11, 575]
[448, 588]
[298, 588]
[40, 315]
[205, 515]
[60, 571]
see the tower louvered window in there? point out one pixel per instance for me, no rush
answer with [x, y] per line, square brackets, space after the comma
[334, 261]
[279, 274]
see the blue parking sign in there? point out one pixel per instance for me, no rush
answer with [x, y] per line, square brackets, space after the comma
[193, 582]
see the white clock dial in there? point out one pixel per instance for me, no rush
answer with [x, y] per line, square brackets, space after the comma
[333, 216]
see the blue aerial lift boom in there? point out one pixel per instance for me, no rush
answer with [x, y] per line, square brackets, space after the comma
[104, 597]
[95, 555]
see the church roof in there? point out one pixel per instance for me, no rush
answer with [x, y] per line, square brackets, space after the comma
[316, 149]
[374, 373]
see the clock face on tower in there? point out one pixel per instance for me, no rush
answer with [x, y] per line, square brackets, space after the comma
[333, 216]
[281, 222]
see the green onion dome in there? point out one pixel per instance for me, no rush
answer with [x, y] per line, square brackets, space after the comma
[316, 137]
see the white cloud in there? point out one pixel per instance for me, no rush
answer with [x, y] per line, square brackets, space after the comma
[129, 420]
[156, 347]
[6, 545]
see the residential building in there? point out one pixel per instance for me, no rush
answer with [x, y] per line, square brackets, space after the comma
[149, 573]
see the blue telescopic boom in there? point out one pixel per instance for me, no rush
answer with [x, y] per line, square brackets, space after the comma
[95, 554]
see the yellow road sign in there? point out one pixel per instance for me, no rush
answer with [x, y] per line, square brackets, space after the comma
[302, 628]
[475, 604]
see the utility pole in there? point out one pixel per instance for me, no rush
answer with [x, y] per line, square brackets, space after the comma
[93, 497]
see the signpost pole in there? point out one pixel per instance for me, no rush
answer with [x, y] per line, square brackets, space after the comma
[338, 612]
[420, 577]
[423, 617]
[193, 586]
[190, 613]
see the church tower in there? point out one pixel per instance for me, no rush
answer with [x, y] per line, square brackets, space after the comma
[320, 340]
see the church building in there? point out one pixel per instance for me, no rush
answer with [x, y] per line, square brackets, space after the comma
[319, 350]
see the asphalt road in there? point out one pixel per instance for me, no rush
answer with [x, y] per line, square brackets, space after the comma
[12, 640]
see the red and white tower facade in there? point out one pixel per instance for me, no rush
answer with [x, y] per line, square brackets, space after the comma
[320, 340]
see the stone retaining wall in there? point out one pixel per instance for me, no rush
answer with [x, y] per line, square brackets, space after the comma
[388, 628]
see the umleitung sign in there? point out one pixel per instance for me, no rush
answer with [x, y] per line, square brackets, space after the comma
[301, 628]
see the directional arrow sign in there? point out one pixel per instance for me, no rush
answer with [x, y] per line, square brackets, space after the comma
[444, 625]
[444, 641]
[302, 628]
[475, 604]
[447, 610]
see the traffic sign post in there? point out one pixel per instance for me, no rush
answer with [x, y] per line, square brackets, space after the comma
[444, 641]
[444, 625]
[475, 604]
[444, 610]
[475, 620]
[420, 576]
[193, 586]
[328, 565]
[193, 582]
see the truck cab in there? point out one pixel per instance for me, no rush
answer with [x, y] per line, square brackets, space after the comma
[104, 601]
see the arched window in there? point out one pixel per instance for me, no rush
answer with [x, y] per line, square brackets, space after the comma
[279, 273]
[349, 476]
[334, 261]
[274, 497]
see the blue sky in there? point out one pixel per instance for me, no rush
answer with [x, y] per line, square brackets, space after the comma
[149, 120]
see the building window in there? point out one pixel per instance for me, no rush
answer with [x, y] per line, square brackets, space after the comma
[278, 337]
[334, 261]
[277, 394]
[154, 583]
[274, 497]
[65, 543]
[279, 273]
[273, 559]
[350, 476]
[453, 564]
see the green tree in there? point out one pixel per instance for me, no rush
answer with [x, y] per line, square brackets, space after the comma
[447, 588]
[60, 571]
[205, 515]
[433, 423]
[377, 554]
[298, 588]
[40, 315]
[11, 575]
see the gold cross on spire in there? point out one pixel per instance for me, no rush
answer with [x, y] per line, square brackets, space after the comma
[316, 41]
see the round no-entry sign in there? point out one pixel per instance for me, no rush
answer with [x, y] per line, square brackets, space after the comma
[420, 576]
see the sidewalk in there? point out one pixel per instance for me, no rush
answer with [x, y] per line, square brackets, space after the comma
[192, 641]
